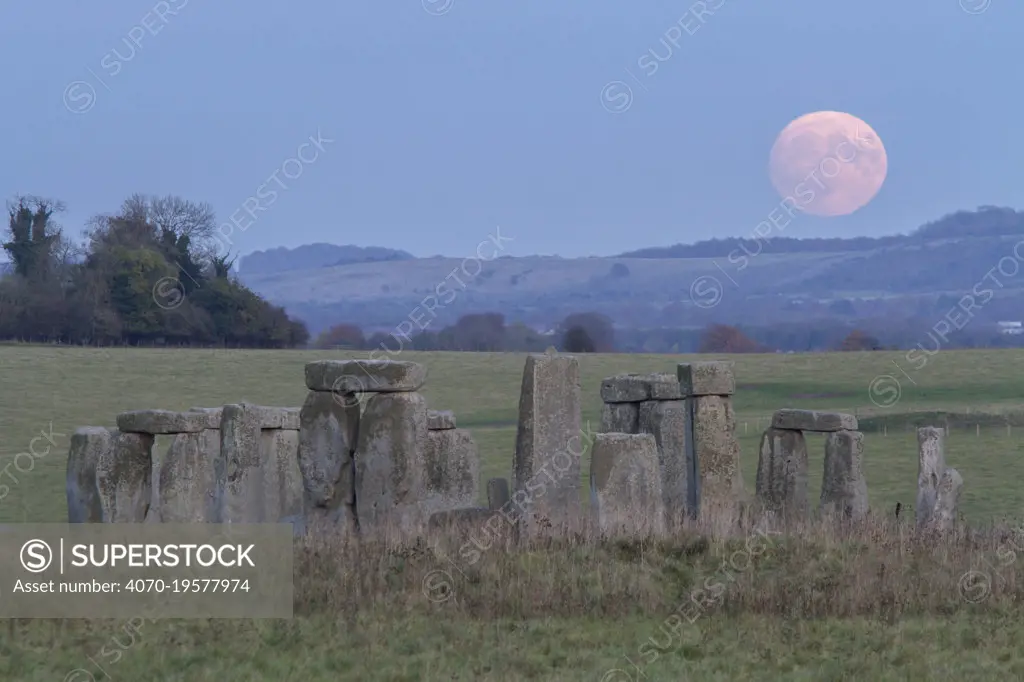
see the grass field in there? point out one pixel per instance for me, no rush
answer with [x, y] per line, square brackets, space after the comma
[569, 635]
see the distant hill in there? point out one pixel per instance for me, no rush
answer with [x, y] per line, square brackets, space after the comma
[925, 272]
[987, 221]
[312, 256]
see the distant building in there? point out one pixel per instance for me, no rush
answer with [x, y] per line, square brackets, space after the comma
[1010, 327]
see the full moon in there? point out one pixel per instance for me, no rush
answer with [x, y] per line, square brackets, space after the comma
[828, 163]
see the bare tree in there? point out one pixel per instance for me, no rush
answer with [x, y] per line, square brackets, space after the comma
[183, 218]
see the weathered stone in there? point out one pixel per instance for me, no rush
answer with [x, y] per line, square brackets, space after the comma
[811, 420]
[626, 388]
[214, 412]
[497, 493]
[666, 420]
[664, 386]
[620, 417]
[188, 483]
[548, 445]
[625, 485]
[88, 445]
[947, 499]
[240, 448]
[931, 465]
[451, 470]
[706, 378]
[716, 454]
[389, 464]
[440, 420]
[327, 438]
[844, 492]
[365, 376]
[124, 478]
[159, 422]
[279, 417]
[282, 478]
[782, 472]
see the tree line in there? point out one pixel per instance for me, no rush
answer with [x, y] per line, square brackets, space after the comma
[149, 273]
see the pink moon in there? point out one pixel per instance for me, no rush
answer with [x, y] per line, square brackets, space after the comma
[828, 163]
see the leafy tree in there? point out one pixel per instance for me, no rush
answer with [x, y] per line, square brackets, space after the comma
[577, 340]
[598, 328]
[721, 338]
[858, 340]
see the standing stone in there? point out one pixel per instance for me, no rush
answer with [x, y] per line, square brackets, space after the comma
[124, 475]
[328, 429]
[188, 483]
[706, 378]
[88, 444]
[548, 445]
[364, 376]
[931, 465]
[844, 492]
[620, 417]
[666, 420]
[947, 499]
[625, 485]
[716, 453]
[451, 470]
[240, 447]
[282, 478]
[389, 465]
[782, 472]
[497, 493]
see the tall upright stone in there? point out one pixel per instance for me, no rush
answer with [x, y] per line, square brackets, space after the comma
[716, 491]
[625, 485]
[451, 470]
[243, 500]
[282, 479]
[782, 472]
[844, 492]
[931, 465]
[546, 472]
[947, 500]
[389, 465]
[667, 421]
[189, 479]
[124, 478]
[328, 430]
[620, 417]
[88, 446]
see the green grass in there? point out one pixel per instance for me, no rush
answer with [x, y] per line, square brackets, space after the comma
[69, 387]
[72, 387]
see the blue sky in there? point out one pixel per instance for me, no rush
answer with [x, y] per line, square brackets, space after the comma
[449, 117]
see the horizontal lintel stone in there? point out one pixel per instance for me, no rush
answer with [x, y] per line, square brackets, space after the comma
[365, 376]
[812, 420]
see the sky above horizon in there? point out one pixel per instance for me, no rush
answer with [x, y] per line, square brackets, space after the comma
[434, 122]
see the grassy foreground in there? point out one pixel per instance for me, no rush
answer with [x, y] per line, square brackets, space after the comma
[874, 605]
